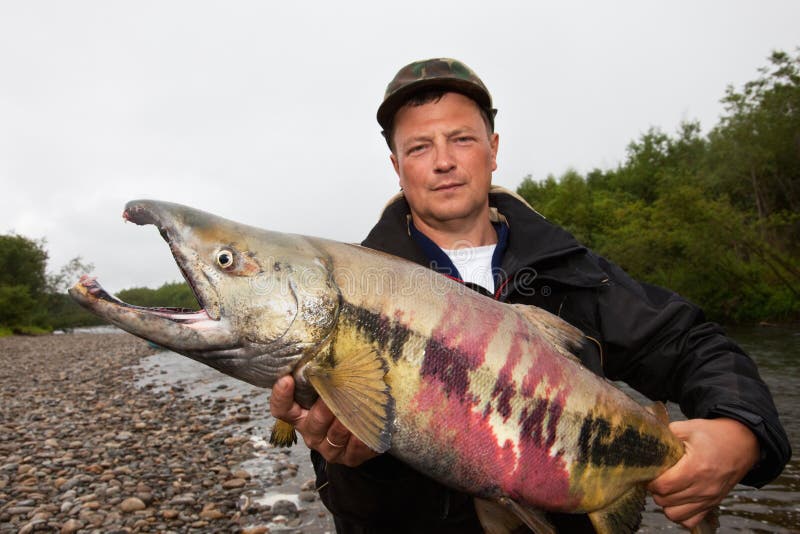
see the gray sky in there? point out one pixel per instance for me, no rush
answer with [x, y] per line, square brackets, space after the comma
[264, 112]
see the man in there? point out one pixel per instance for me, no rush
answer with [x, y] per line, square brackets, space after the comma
[438, 121]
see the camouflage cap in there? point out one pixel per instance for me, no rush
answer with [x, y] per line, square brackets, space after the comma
[442, 73]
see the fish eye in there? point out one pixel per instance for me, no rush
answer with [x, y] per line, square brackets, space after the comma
[225, 258]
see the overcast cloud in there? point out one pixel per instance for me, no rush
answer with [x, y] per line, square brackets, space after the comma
[264, 112]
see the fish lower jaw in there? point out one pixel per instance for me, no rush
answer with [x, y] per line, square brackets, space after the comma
[92, 295]
[178, 329]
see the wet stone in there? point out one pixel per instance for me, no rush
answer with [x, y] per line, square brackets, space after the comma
[284, 507]
[307, 496]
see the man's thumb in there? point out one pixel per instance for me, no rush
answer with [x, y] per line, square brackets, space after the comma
[681, 429]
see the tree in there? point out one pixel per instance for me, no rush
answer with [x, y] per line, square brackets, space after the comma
[68, 275]
[23, 282]
[22, 263]
[755, 149]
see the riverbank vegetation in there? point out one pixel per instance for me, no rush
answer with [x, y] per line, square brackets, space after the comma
[715, 217]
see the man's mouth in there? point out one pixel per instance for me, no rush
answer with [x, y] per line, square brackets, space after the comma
[448, 186]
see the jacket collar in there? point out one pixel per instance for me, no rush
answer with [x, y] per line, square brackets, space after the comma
[533, 242]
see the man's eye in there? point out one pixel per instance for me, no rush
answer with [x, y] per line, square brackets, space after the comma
[416, 148]
[463, 139]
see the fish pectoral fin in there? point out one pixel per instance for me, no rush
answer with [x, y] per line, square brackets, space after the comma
[564, 337]
[355, 390]
[283, 434]
[623, 515]
[499, 518]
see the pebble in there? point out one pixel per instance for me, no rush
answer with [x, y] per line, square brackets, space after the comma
[234, 483]
[307, 496]
[183, 500]
[132, 504]
[72, 525]
[31, 526]
[211, 514]
[241, 473]
[19, 510]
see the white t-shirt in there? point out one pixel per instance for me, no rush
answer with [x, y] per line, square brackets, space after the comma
[474, 264]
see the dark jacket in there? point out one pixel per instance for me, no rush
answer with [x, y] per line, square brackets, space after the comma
[649, 337]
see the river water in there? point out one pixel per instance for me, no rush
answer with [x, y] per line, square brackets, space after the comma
[774, 508]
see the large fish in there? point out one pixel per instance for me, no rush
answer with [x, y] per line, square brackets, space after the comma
[482, 396]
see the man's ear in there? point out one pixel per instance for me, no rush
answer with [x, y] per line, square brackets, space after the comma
[395, 163]
[494, 143]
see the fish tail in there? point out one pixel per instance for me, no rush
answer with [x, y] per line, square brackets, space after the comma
[623, 515]
[709, 524]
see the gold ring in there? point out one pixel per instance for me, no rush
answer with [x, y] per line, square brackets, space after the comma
[332, 444]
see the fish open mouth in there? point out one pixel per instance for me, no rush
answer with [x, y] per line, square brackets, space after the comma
[178, 315]
[181, 329]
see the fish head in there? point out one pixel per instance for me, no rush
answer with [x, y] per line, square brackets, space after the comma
[267, 299]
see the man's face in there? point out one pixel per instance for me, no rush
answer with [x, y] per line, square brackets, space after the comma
[444, 157]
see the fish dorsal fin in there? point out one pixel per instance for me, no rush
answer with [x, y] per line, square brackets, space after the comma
[353, 386]
[623, 516]
[564, 337]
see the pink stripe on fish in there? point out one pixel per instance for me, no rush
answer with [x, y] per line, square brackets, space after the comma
[530, 474]
[459, 343]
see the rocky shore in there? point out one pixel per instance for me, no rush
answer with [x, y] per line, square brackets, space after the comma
[86, 447]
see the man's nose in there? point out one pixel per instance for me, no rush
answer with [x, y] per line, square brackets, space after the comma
[444, 161]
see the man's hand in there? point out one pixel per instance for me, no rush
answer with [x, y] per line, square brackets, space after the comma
[319, 427]
[719, 452]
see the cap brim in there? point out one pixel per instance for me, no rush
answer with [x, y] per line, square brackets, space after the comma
[395, 101]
